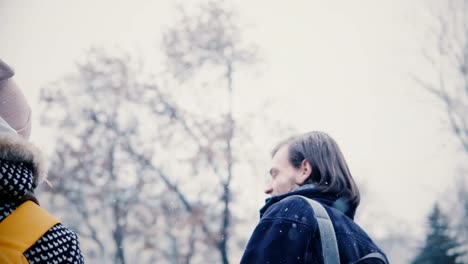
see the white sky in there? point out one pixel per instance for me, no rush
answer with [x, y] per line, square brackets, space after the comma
[338, 66]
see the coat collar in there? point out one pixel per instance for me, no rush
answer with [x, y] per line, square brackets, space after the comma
[17, 149]
[312, 192]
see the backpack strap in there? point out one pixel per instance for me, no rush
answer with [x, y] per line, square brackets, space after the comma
[374, 255]
[327, 232]
[22, 228]
[328, 237]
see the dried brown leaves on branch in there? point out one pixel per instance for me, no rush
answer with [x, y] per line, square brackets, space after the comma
[146, 178]
[106, 164]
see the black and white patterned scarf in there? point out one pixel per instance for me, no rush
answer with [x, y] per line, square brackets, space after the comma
[59, 244]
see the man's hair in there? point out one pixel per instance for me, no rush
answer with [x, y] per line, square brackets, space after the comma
[330, 173]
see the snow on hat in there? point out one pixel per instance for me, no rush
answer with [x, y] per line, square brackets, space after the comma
[15, 113]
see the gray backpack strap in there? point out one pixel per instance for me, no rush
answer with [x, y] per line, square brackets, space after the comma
[327, 232]
[375, 255]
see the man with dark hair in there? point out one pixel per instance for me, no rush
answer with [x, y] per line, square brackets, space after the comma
[309, 216]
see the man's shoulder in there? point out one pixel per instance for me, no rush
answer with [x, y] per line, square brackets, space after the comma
[291, 208]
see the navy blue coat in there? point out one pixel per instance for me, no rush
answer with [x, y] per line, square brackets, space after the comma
[288, 232]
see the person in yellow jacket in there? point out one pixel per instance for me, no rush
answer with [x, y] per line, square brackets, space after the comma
[28, 233]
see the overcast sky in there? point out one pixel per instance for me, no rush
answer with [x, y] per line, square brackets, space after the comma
[338, 66]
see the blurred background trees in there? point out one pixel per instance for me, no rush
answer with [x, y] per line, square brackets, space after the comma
[447, 54]
[144, 159]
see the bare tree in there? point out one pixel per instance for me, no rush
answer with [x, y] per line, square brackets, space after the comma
[105, 162]
[447, 53]
[448, 57]
[210, 40]
[92, 169]
[142, 169]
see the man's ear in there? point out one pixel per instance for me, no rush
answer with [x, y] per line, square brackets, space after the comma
[305, 171]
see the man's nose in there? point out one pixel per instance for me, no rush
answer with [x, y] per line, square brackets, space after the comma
[268, 189]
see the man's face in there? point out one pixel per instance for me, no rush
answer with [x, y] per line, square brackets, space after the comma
[283, 175]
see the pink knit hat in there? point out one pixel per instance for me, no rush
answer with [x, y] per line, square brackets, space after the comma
[15, 113]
